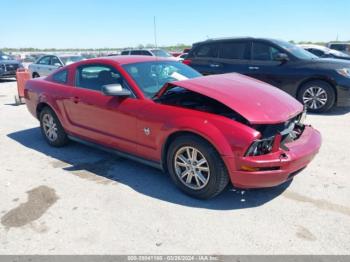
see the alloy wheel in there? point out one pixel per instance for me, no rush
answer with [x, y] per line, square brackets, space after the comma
[191, 167]
[50, 127]
[315, 97]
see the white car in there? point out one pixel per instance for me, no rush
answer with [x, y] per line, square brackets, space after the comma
[324, 52]
[147, 52]
[340, 46]
[47, 64]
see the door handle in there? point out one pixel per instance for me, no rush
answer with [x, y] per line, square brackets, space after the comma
[214, 65]
[76, 100]
[254, 68]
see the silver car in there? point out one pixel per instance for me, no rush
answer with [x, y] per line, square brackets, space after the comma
[147, 52]
[47, 64]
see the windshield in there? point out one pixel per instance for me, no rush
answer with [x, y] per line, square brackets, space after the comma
[295, 50]
[160, 53]
[151, 76]
[67, 60]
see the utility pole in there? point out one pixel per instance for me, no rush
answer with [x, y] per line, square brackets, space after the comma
[155, 31]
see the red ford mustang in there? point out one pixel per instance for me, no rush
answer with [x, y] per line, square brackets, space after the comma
[205, 131]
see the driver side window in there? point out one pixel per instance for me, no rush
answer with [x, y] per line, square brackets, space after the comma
[95, 76]
[45, 60]
[55, 61]
[264, 52]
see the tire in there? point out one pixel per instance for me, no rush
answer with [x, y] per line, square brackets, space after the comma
[56, 137]
[202, 184]
[317, 103]
[36, 75]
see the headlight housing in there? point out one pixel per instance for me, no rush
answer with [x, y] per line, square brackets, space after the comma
[344, 72]
[260, 147]
[291, 131]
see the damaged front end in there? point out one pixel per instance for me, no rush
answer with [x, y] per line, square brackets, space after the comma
[281, 153]
[275, 136]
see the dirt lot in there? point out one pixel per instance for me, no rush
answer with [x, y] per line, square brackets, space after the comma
[78, 200]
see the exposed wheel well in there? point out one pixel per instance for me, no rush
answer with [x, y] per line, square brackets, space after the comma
[170, 139]
[40, 107]
[318, 79]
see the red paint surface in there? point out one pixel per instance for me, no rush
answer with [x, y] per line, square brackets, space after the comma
[119, 122]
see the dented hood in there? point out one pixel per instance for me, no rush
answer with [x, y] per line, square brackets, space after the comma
[258, 102]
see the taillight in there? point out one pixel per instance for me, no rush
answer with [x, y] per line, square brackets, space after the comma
[187, 61]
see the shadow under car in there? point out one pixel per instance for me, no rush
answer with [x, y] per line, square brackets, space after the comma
[143, 179]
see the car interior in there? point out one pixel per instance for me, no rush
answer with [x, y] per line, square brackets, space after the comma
[95, 80]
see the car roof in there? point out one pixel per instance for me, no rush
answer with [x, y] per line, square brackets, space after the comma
[142, 49]
[128, 59]
[339, 43]
[234, 38]
[66, 55]
[323, 48]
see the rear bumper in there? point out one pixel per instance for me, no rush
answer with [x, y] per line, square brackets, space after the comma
[276, 168]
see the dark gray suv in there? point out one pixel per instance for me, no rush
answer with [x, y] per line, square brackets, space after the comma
[8, 66]
[318, 83]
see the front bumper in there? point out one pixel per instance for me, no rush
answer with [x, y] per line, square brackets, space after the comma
[278, 167]
[343, 91]
[7, 74]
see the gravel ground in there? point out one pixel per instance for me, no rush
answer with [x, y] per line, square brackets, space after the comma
[78, 200]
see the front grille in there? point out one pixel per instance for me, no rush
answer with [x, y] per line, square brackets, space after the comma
[11, 67]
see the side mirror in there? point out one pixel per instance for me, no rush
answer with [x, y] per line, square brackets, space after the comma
[115, 90]
[282, 57]
[57, 64]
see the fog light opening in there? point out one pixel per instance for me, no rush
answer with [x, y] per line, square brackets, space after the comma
[254, 169]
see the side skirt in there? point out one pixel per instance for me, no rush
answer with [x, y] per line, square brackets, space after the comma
[117, 152]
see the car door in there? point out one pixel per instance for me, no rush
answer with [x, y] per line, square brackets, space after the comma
[234, 57]
[107, 120]
[42, 66]
[265, 67]
[55, 63]
[204, 59]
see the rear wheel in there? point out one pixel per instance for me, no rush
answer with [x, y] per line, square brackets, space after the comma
[317, 96]
[35, 75]
[52, 129]
[196, 167]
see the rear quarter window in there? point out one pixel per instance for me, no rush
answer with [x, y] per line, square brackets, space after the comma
[60, 77]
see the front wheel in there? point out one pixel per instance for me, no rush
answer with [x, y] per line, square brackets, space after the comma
[52, 129]
[317, 96]
[196, 167]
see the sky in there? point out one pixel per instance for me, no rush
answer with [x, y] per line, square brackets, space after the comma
[116, 23]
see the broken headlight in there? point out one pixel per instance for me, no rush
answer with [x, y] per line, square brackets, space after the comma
[260, 147]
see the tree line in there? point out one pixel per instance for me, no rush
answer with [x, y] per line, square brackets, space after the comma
[178, 47]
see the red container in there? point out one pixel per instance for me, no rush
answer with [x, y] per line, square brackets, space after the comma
[22, 76]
